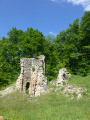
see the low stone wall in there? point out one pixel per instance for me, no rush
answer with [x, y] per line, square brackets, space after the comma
[8, 90]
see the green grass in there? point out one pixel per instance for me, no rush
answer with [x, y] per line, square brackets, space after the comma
[51, 106]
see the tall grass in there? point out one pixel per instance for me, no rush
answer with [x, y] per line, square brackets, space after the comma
[51, 106]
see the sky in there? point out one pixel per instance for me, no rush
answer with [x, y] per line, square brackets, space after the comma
[48, 16]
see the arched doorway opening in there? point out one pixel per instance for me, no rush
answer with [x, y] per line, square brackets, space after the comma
[27, 87]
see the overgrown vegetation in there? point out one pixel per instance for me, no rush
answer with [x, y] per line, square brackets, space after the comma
[70, 49]
[33, 69]
[47, 107]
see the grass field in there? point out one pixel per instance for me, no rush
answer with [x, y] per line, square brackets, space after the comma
[51, 106]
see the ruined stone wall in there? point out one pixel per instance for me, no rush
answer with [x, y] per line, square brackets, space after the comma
[32, 77]
[62, 77]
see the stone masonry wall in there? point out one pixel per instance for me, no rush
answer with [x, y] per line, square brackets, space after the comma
[32, 77]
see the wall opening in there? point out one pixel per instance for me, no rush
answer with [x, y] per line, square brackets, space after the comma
[64, 76]
[27, 87]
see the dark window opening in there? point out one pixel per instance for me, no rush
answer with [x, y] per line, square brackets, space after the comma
[27, 87]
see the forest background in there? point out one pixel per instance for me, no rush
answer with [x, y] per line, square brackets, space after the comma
[69, 49]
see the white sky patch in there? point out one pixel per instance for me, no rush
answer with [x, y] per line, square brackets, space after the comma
[84, 3]
[55, 0]
[52, 33]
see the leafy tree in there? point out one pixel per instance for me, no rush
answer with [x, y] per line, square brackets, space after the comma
[31, 43]
[67, 45]
[70, 49]
[84, 40]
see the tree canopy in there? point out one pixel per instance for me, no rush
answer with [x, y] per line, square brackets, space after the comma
[70, 49]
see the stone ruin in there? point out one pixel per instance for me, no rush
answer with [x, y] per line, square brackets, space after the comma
[70, 90]
[32, 77]
[32, 80]
[62, 77]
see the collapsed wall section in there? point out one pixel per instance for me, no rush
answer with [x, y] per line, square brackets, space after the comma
[32, 78]
[62, 77]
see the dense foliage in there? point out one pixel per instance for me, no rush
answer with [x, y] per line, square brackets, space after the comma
[70, 49]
